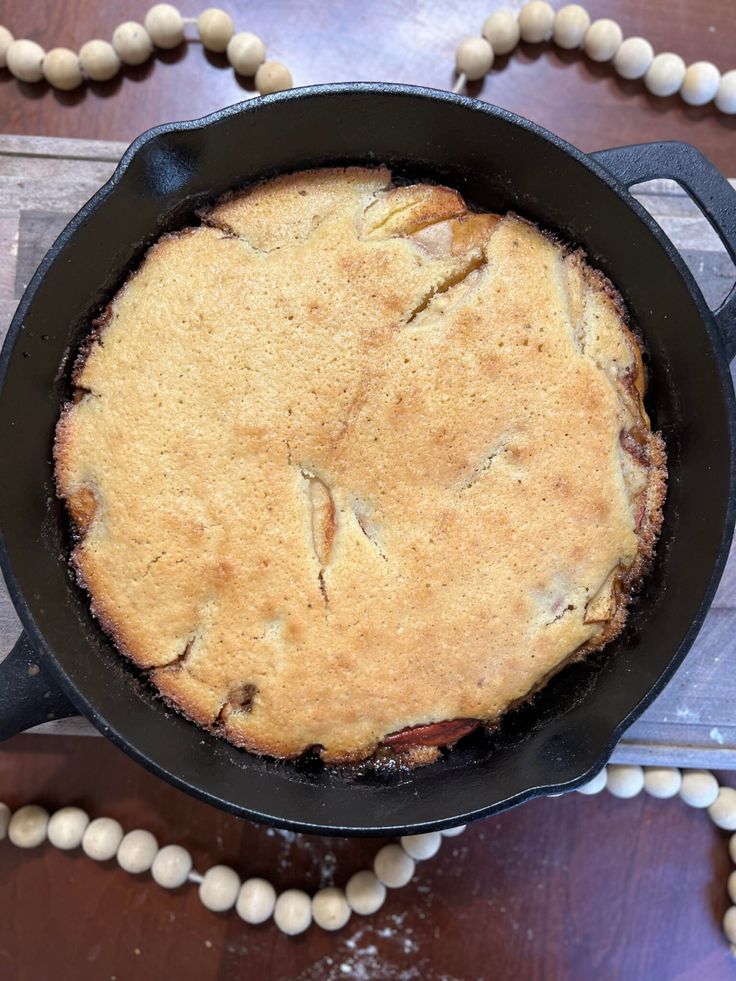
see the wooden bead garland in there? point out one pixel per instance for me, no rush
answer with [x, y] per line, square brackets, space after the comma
[700, 84]
[66, 828]
[5, 815]
[501, 30]
[61, 69]
[101, 839]
[365, 893]
[695, 788]
[137, 851]
[293, 912]
[393, 867]
[272, 76]
[246, 53]
[665, 75]
[474, 58]
[215, 29]
[27, 827]
[422, 847]
[219, 888]
[99, 60]
[660, 782]
[171, 867]
[569, 28]
[536, 21]
[633, 58]
[165, 25]
[603, 41]
[699, 788]
[330, 909]
[726, 95]
[256, 900]
[133, 44]
[6, 39]
[25, 60]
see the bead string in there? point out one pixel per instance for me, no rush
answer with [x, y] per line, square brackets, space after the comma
[602, 41]
[133, 44]
[293, 911]
[569, 28]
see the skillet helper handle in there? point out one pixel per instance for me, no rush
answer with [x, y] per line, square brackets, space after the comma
[28, 693]
[705, 184]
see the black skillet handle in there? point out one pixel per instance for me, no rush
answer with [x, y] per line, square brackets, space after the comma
[705, 184]
[28, 693]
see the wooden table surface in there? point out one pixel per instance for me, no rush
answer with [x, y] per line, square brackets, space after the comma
[564, 888]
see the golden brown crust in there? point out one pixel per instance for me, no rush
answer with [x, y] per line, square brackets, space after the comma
[350, 461]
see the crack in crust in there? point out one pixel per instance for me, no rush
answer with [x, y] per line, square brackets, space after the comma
[323, 521]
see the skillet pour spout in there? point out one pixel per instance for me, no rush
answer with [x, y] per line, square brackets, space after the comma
[64, 663]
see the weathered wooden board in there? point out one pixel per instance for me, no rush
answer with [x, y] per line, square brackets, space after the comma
[44, 181]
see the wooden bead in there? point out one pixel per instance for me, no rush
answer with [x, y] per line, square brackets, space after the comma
[726, 95]
[219, 888]
[25, 60]
[699, 788]
[596, 785]
[27, 827]
[732, 848]
[603, 39]
[293, 912]
[662, 782]
[66, 828]
[729, 924]
[272, 76]
[246, 52]
[393, 867]
[571, 23]
[422, 847]
[171, 866]
[137, 851]
[625, 781]
[501, 30]
[453, 832]
[731, 886]
[723, 811]
[61, 69]
[665, 74]
[5, 813]
[101, 839]
[365, 893]
[165, 25]
[633, 58]
[330, 909]
[256, 900]
[215, 28]
[98, 60]
[536, 21]
[700, 84]
[132, 43]
[6, 39]
[473, 58]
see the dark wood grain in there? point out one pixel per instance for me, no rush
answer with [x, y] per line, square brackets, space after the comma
[572, 888]
[391, 40]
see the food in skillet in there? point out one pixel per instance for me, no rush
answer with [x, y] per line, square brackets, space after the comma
[352, 468]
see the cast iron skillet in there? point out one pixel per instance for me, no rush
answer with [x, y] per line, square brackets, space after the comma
[498, 161]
